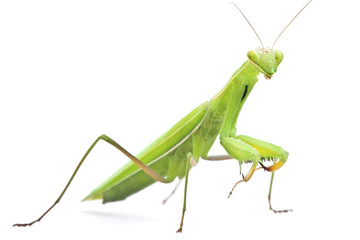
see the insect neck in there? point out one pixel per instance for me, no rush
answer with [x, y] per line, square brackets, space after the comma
[243, 78]
[229, 101]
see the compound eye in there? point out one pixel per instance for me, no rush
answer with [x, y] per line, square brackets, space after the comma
[279, 56]
[253, 56]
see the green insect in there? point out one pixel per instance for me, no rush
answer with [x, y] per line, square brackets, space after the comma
[175, 152]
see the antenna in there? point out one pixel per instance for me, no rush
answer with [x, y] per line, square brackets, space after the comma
[249, 24]
[289, 23]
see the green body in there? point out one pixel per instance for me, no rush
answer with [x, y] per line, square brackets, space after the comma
[173, 153]
[196, 133]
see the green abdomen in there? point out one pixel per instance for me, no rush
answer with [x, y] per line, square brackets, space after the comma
[166, 155]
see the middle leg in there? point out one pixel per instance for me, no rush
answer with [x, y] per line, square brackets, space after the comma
[244, 148]
[269, 151]
[189, 156]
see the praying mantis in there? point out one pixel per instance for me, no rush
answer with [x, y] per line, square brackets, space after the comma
[179, 149]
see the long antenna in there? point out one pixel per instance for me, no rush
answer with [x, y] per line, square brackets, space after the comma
[249, 24]
[290, 23]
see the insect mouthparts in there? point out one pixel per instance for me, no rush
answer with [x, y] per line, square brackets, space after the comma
[267, 77]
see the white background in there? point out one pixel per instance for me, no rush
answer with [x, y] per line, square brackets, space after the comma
[73, 70]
